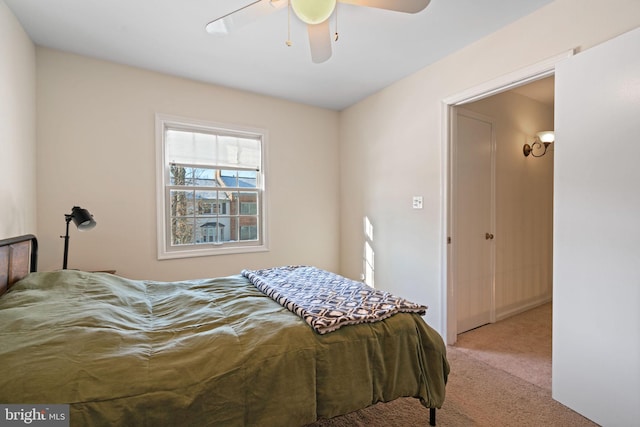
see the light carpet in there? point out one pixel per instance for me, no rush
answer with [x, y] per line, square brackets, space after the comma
[520, 345]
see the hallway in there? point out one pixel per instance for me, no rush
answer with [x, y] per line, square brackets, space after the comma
[519, 345]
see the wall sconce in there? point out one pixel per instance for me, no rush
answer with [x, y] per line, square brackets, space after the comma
[543, 139]
[83, 220]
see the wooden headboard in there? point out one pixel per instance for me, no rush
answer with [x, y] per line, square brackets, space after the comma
[18, 257]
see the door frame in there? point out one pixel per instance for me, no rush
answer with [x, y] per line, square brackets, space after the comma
[537, 71]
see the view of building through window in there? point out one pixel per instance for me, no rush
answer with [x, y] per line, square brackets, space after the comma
[212, 205]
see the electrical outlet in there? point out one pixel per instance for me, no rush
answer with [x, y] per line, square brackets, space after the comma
[417, 202]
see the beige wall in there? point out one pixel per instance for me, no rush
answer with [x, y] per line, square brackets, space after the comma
[96, 149]
[392, 144]
[17, 128]
[524, 202]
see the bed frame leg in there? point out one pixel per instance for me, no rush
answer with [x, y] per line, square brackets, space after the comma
[432, 416]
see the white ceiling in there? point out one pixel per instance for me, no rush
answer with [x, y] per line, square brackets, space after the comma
[376, 47]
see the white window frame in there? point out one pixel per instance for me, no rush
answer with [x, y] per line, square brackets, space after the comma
[165, 250]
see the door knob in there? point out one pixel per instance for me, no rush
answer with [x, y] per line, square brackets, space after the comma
[488, 236]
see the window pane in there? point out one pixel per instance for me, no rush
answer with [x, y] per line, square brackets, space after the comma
[248, 228]
[181, 202]
[248, 203]
[233, 203]
[207, 202]
[230, 228]
[186, 175]
[229, 178]
[203, 177]
[248, 179]
[182, 231]
[177, 174]
[211, 230]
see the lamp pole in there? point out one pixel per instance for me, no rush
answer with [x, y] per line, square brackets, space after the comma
[67, 218]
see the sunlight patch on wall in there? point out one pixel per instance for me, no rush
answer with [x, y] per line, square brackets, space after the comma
[368, 270]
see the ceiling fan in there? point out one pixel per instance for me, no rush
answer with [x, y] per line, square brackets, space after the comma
[314, 13]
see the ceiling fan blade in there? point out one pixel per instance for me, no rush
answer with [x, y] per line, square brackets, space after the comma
[245, 15]
[320, 41]
[406, 6]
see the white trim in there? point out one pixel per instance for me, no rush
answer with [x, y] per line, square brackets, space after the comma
[537, 71]
[447, 292]
[161, 223]
[205, 125]
[163, 253]
[521, 308]
[211, 251]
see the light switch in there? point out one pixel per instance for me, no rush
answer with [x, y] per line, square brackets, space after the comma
[417, 202]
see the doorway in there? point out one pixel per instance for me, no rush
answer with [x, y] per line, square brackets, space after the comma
[528, 75]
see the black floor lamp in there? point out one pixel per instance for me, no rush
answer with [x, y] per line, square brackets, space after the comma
[83, 220]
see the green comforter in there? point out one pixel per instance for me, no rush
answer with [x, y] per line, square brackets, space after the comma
[200, 352]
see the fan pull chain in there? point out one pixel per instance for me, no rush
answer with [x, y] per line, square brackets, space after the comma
[335, 38]
[289, 42]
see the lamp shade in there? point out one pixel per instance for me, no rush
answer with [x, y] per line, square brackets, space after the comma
[82, 218]
[546, 136]
[313, 11]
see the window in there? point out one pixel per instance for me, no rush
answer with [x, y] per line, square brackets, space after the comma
[211, 197]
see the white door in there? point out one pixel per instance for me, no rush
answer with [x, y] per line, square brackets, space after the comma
[596, 295]
[472, 238]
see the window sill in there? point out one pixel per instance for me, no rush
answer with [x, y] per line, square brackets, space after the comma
[211, 251]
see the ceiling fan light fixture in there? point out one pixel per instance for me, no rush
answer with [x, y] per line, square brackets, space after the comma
[313, 11]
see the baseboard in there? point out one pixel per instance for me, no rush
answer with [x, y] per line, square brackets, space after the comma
[514, 309]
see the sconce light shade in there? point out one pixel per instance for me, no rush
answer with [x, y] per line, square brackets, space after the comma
[313, 11]
[547, 136]
[83, 221]
[543, 140]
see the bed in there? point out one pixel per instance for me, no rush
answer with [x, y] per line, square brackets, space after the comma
[203, 352]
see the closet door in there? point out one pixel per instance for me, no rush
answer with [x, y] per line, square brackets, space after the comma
[473, 237]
